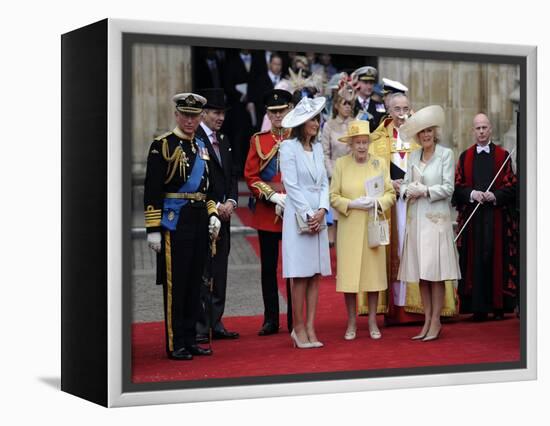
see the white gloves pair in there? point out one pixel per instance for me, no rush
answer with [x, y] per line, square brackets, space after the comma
[278, 199]
[154, 238]
[362, 203]
[417, 190]
[483, 197]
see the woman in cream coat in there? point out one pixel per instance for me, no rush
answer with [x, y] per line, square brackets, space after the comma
[305, 253]
[429, 253]
[359, 267]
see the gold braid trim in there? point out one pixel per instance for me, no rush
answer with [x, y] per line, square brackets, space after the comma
[175, 161]
[211, 207]
[259, 150]
[153, 217]
[264, 189]
[168, 257]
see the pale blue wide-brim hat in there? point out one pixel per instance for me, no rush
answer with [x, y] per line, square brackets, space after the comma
[306, 109]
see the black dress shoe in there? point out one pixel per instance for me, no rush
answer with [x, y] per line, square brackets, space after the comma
[224, 334]
[268, 328]
[498, 316]
[197, 350]
[181, 354]
[480, 316]
[202, 338]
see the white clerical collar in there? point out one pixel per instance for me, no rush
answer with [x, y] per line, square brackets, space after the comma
[484, 148]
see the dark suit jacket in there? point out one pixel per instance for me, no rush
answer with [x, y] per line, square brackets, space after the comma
[258, 87]
[223, 176]
[376, 116]
[235, 73]
[203, 77]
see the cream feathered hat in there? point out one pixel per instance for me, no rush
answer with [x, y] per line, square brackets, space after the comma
[429, 116]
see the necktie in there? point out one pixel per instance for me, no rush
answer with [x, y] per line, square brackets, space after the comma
[483, 149]
[216, 146]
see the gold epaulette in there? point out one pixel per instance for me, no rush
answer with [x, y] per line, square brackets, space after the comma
[211, 207]
[153, 217]
[265, 190]
[261, 133]
[164, 135]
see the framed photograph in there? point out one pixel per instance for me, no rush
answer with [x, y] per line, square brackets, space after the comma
[119, 79]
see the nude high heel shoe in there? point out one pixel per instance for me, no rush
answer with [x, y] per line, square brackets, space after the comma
[298, 344]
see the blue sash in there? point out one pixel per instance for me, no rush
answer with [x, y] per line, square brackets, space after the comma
[266, 175]
[172, 206]
[270, 170]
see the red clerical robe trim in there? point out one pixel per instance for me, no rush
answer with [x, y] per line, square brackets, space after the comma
[503, 180]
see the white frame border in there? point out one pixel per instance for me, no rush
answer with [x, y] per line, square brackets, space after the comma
[114, 215]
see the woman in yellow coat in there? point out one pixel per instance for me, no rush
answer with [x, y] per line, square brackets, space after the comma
[359, 267]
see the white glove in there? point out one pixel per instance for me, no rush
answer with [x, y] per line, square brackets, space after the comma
[279, 211]
[278, 199]
[214, 226]
[154, 239]
[490, 197]
[417, 190]
[362, 203]
[477, 196]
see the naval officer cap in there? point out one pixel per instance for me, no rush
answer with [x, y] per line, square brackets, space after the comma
[366, 73]
[277, 99]
[189, 103]
[391, 86]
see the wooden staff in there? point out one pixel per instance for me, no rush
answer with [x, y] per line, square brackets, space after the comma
[478, 203]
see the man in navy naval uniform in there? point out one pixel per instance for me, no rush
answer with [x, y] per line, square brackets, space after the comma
[180, 213]
[365, 107]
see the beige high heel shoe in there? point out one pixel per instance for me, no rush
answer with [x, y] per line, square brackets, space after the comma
[350, 334]
[298, 344]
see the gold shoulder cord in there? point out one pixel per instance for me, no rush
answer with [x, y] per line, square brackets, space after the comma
[175, 161]
[269, 154]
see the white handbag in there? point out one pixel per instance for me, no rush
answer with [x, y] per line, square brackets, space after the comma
[378, 230]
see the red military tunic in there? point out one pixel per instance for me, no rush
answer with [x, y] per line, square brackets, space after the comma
[263, 177]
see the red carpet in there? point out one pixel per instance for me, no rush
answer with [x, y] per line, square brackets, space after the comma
[245, 215]
[461, 342]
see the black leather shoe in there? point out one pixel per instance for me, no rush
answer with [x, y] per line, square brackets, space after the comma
[181, 354]
[224, 334]
[197, 350]
[480, 316]
[202, 338]
[498, 315]
[268, 328]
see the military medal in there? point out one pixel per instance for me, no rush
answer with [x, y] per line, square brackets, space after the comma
[203, 153]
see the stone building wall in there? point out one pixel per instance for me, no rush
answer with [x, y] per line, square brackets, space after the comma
[158, 72]
[462, 88]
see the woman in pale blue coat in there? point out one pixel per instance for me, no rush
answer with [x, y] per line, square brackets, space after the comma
[305, 248]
